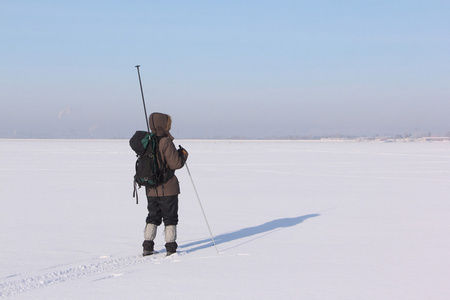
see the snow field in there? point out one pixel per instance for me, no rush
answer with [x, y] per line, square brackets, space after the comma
[292, 219]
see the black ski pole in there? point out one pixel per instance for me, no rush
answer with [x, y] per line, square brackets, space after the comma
[143, 101]
[146, 119]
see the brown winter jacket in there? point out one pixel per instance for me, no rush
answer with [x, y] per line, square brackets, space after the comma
[160, 125]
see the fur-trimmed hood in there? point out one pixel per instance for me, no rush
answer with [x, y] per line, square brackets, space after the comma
[160, 124]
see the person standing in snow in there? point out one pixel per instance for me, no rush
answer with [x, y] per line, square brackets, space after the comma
[163, 200]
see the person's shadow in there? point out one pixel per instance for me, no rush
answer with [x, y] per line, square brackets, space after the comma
[267, 228]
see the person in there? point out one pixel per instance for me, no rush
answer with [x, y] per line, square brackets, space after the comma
[163, 200]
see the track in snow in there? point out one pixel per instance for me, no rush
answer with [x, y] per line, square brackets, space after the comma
[20, 283]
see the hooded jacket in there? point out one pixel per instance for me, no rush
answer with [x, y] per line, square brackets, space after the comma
[160, 125]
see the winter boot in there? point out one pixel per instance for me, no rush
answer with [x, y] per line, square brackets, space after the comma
[170, 234]
[171, 248]
[148, 248]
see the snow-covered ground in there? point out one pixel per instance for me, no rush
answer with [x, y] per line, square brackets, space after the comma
[291, 219]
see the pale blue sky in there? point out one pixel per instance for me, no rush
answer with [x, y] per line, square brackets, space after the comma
[224, 68]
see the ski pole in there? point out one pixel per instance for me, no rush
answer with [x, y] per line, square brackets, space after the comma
[201, 206]
[143, 101]
[146, 120]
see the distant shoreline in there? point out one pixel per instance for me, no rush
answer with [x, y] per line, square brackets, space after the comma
[323, 139]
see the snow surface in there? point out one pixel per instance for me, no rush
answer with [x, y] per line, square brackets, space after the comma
[291, 219]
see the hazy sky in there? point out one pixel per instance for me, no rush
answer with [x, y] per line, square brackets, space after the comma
[224, 68]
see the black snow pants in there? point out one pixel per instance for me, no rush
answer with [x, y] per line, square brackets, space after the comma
[162, 209]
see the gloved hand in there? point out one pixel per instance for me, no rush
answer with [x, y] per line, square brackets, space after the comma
[183, 151]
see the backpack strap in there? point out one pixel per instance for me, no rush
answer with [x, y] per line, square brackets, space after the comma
[166, 173]
[135, 193]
